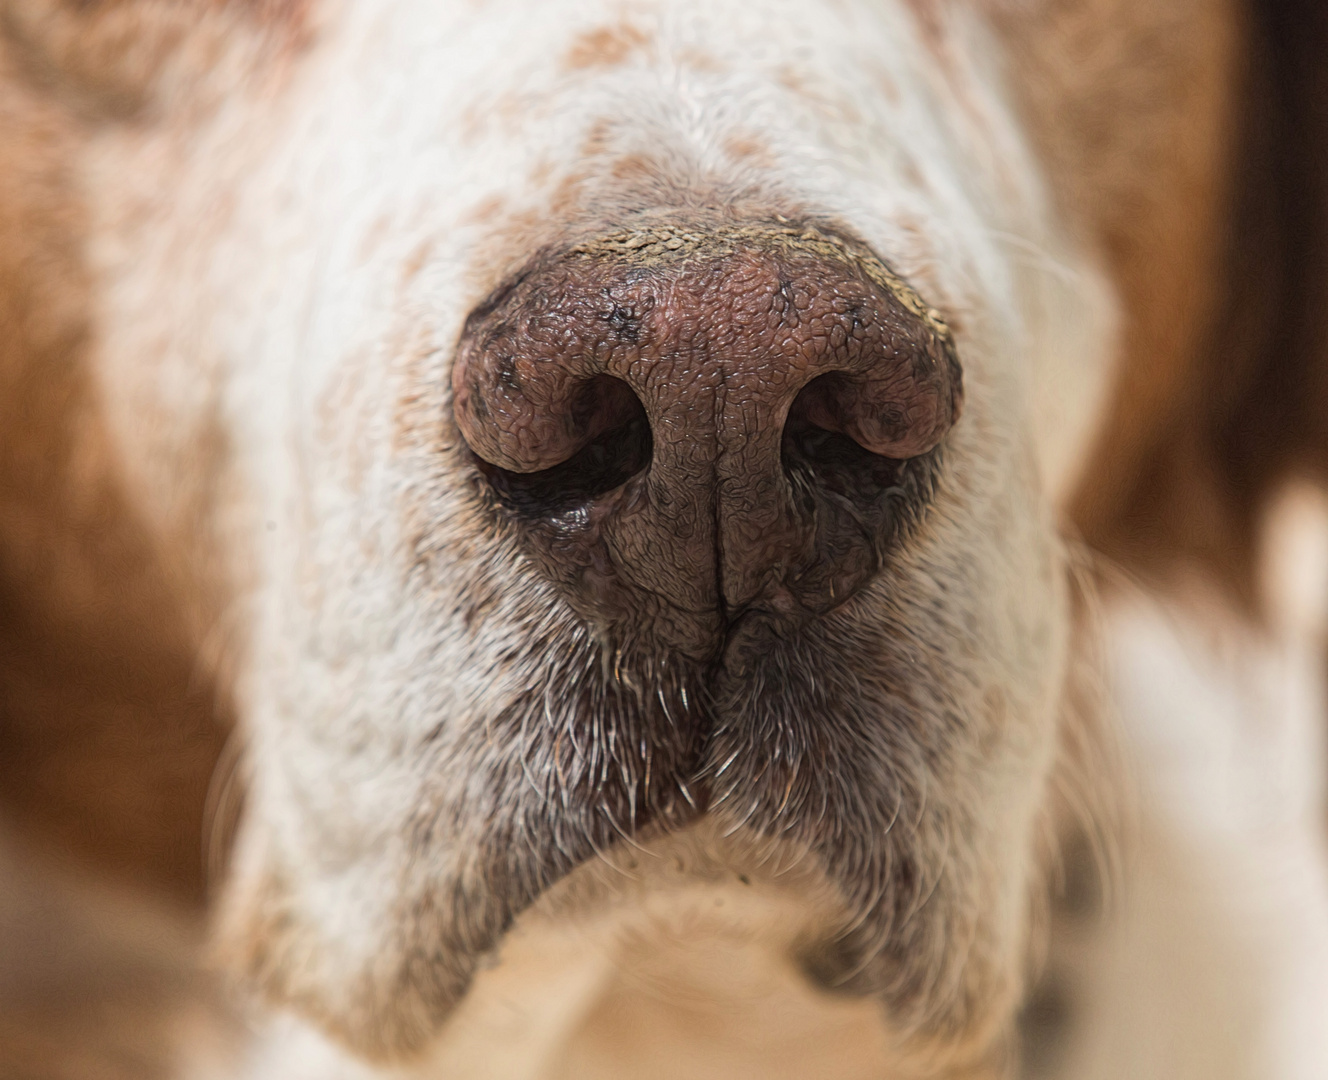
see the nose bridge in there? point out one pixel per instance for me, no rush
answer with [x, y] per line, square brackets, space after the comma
[720, 379]
[731, 352]
[665, 540]
[759, 530]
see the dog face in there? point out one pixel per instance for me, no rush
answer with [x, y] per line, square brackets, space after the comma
[622, 423]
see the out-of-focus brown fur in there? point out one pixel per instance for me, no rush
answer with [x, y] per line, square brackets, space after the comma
[1132, 106]
[1191, 142]
[106, 57]
[95, 983]
[1254, 409]
[108, 730]
[110, 726]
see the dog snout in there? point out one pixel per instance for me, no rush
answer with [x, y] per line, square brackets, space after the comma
[689, 422]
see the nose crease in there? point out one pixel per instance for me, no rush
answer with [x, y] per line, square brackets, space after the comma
[689, 420]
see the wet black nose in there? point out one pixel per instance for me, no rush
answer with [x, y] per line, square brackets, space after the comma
[687, 421]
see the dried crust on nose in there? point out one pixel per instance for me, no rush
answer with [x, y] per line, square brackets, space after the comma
[661, 243]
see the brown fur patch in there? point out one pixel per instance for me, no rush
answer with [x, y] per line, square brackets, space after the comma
[483, 212]
[930, 17]
[605, 47]
[749, 150]
[700, 60]
[888, 86]
[635, 169]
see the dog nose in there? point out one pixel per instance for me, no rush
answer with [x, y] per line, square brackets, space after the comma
[685, 422]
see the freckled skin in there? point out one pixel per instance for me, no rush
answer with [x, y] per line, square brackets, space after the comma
[738, 351]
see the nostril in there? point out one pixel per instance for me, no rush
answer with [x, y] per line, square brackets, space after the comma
[823, 405]
[607, 443]
[897, 417]
[600, 405]
[818, 448]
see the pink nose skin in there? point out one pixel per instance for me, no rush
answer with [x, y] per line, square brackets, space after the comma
[690, 421]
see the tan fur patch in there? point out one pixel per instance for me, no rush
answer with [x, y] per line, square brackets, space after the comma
[749, 150]
[606, 47]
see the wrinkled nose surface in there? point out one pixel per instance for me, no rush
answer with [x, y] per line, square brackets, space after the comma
[690, 421]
